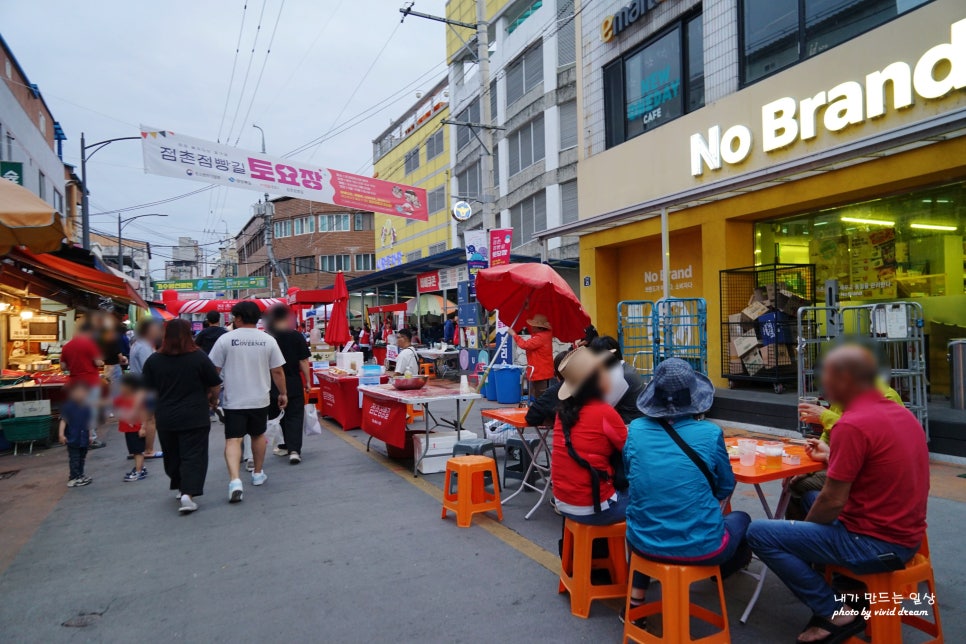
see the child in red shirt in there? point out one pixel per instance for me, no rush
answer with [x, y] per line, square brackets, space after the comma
[129, 412]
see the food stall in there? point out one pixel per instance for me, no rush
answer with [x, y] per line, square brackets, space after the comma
[377, 315]
[339, 397]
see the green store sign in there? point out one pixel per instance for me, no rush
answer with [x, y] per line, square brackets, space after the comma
[212, 284]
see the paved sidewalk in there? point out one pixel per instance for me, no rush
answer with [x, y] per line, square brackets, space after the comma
[346, 547]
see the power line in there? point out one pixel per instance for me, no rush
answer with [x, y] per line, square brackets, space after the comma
[248, 70]
[258, 81]
[234, 65]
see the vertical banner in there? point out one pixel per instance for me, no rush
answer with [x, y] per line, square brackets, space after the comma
[477, 256]
[500, 241]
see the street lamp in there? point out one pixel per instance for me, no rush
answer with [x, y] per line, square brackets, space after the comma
[85, 206]
[120, 225]
[267, 219]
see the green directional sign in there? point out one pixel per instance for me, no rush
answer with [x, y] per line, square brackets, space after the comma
[12, 171]
[212, 284]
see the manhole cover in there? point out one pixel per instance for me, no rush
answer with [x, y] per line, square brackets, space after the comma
[82, 620]
[8, 474]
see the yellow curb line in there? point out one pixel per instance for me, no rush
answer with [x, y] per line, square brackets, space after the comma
[521, 544]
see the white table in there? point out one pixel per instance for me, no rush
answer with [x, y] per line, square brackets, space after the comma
[438, 356]
[422, 397]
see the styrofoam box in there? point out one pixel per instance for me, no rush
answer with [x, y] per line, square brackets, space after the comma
[29, 408]
[440, 449]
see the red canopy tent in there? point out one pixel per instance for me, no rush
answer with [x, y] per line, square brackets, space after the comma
[179, 307]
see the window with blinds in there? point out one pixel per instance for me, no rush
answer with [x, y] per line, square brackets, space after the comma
[528, 217]
[412, 160]
[436, 249]
[525, 73]
[568, 202]
[568, 125]
[469, 182]
[414, 255]
[334, 263]
[436, 200]
[434, 145]
[304, 265]
[566, 34]
[526, 145]
[464, 133]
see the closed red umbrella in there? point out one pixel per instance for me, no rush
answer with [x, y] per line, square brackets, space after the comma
[337, 329]
[520, 291]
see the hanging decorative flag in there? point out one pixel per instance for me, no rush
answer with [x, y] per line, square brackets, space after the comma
[175, 155]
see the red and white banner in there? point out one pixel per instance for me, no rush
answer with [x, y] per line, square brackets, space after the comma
[501, 239]
[427, 282]
[184, 157]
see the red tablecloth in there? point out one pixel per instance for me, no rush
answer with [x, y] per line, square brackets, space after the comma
[339, 399]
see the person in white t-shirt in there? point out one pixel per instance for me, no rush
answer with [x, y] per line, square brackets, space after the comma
[249, 361]
[407, 361]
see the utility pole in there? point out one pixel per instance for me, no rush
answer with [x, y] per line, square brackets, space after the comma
[486, 126]
[267, 213]
[85, 205]
[120, 247]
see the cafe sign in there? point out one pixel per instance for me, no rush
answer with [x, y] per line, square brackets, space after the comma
[940, 71]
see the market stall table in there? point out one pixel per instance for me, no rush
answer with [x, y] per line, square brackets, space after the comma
[384, 411]
[517, 418]
[339, 398]
[758, 474]
[438, 357]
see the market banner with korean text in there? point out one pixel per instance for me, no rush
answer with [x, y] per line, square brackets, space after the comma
[174, 155]
[501, 239]
[477, 255]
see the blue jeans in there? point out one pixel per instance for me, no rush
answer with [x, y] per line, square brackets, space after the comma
[790, 548]
[731, 559]
[615, 513]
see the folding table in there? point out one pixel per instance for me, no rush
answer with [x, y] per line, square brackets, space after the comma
[517, 418]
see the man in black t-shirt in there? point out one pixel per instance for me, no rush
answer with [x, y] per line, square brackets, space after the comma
[297, 380]
[207, 337]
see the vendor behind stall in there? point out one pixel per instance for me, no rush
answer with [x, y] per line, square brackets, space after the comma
[407, 361]
[539, 350]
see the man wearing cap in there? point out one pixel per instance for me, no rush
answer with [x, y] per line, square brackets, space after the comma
[539, 350]
[678, 470]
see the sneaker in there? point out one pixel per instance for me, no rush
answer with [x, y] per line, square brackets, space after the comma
[220, 413]
[96, 444]
[280, 451]
[82, 481]
[73, 482]
[259, 478]
[187, 505]
[235, 491]
[143, 474]
[250, 465]
[640, 623]
[294, 458]
[133, 475]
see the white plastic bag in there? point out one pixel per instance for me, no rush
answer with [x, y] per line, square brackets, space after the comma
[273, 434]
[310, 422]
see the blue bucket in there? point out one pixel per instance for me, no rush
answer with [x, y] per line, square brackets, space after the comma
[489, 387]
[508, 390]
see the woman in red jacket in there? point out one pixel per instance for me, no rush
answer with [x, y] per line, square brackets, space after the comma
[589, 435]
[539, 350]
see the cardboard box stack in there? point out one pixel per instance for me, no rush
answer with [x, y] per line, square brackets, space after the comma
[762, 336]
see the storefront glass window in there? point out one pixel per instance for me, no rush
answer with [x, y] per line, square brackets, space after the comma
[779, 33]
[904, 247]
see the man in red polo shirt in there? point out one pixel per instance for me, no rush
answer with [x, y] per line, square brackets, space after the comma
[82, 358]
[871, 514]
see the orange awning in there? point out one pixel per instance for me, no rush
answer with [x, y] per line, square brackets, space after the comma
[77, 276]
[27, 220]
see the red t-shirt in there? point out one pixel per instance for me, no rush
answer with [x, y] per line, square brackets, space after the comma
[79, 355]
[880, 448]
[598, 433]
[128, 418]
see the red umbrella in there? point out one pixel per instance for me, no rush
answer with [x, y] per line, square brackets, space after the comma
[337, 329]
[520, 291]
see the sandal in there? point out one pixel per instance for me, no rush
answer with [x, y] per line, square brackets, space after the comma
[836, 634]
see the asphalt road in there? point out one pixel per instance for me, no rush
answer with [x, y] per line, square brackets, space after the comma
[342, 548]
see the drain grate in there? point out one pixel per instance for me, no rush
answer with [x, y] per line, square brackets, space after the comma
[8, 474]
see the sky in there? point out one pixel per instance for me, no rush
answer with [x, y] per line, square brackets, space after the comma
[106, 66]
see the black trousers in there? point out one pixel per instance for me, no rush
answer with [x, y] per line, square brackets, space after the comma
[291, 422]
[186, 458]
[77, 456]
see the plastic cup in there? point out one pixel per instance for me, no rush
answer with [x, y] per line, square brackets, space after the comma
[808, 400]
[773, 454]
[747, 451]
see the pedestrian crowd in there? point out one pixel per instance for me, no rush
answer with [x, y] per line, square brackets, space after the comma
[175, 383]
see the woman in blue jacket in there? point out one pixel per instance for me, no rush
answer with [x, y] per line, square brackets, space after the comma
[674, 515]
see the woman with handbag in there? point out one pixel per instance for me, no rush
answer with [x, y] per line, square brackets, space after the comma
[589, 435]
[679, 473]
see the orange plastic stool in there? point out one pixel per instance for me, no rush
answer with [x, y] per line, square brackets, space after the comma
[471, 496]
[413, 414]
[883, 628]
[427, 369]
[577, 563]
[675, 604]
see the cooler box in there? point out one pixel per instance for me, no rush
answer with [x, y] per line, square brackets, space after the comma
[508, 390]
[440, 449]
[371, 374]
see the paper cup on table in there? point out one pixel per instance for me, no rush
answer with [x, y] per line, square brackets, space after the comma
[747, 451]
[464, 385]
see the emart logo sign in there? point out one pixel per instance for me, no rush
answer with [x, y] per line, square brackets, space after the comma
[613, 25]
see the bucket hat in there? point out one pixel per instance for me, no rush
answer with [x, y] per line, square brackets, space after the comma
[539, 320]
[676, 390]
[577, 368]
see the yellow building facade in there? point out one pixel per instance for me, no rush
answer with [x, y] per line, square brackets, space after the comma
[414, 150]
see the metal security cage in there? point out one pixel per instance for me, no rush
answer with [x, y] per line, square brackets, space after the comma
[651, 332]
[759, 309]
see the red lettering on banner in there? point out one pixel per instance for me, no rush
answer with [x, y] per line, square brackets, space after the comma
[261, 169]
[311, 179]
[287, 174]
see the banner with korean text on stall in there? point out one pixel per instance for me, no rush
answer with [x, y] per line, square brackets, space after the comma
[501, 239]
[175, 155]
